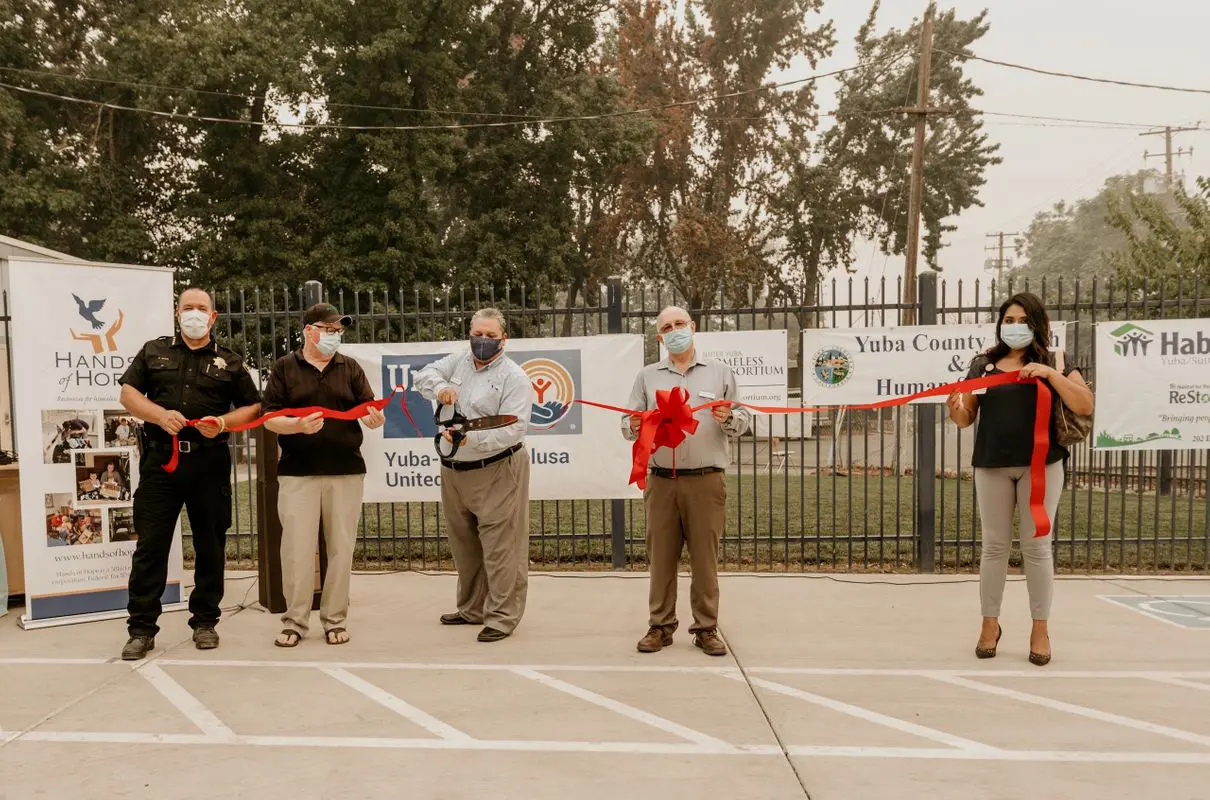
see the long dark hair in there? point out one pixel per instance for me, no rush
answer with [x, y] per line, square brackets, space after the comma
[1037, 319]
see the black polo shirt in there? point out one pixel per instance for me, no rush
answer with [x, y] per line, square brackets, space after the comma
[342, 385]
[205, 382]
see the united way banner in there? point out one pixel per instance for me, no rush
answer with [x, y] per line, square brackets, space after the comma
[576, 452]
[76, 328]
[848, 366]
[1153, 385]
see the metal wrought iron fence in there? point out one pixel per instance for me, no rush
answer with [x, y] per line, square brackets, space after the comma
[842, 493]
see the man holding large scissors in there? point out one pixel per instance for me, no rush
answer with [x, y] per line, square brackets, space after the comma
[485, 476]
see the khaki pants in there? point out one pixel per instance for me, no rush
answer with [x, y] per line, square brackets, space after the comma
[688, 510]
[301, 503]
[487, 512]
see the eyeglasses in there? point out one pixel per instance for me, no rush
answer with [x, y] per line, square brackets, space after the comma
[326, 329]
[668, 326]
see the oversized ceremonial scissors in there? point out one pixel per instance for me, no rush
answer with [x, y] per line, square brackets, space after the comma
[459, 425]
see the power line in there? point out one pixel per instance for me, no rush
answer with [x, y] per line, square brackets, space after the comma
[774, 86]
[1074, 76]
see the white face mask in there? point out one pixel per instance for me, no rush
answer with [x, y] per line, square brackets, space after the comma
[195, 324]
[328, 343]
[1016, 335]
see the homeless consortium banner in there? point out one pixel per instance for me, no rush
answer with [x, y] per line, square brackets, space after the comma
[577, 452]
[1153, 385]
[849, 366]
[76, 328]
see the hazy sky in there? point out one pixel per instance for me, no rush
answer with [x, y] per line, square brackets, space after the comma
[1161, 41]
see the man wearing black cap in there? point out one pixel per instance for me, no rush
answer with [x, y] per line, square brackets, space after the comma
[321, 473]
[172, 380]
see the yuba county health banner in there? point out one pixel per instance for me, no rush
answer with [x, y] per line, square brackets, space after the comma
[75, 329]
[849, 366]
[1153, 385]
[577, 452]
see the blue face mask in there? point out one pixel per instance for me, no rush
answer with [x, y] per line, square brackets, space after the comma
[679, 340]
[1016, 335]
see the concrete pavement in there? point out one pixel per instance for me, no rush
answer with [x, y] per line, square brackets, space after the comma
[854, 686]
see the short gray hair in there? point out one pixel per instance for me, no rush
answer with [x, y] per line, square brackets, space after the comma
[491, 313]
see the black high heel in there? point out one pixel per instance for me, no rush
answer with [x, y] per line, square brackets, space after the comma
[1037, 659]
[990, 652]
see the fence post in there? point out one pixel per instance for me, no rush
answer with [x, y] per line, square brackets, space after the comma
[617, 508]
[926, 446]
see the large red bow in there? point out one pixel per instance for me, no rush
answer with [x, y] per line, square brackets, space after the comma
[666, 425]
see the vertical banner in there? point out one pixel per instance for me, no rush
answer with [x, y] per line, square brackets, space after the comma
[849, 366]
[76, 327]
[1153, 385]
[577, 452]
[760, 361]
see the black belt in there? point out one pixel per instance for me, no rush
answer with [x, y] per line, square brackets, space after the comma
[185, 445]
[483, 462]
[661, 472]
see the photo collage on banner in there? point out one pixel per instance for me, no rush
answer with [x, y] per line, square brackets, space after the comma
[76, 328]
[576, 452]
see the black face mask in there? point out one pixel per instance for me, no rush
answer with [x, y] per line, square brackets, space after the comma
[485, 348]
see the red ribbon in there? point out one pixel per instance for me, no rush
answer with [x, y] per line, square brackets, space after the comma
[672, 419]
[355, 413]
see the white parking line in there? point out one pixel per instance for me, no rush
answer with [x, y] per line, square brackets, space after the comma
[1081, 711]
[666, 725]
[400, 707]
[186, 703]
[629, 748]
[869, 716]
[1205, 687]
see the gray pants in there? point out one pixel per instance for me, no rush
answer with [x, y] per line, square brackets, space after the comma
[1001, 493]
[487, 513]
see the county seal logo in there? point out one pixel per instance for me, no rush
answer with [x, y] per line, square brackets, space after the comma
[831, 367]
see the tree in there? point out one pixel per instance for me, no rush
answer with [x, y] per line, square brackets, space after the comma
[855, 181]
[1074, 241]
[1167, 239]
[697, 207]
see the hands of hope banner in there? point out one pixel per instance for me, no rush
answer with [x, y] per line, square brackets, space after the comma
[673, 419]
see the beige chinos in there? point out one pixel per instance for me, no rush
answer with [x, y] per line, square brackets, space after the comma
[487, 511]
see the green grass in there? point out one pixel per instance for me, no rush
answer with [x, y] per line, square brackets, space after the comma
[792, 522]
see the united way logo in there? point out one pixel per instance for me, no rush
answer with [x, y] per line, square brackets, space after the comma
[554, 391]
[832, 367]
[554, 379]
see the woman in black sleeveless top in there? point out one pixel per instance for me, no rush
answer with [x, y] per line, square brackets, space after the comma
[1001, 458]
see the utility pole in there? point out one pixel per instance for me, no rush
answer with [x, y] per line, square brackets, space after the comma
[1167, 133]
[916, 198]
[998, 263]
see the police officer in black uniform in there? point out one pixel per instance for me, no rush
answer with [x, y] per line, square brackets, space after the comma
[173, 380]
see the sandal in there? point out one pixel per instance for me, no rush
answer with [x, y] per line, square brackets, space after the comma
[329, 636]
[292, 638]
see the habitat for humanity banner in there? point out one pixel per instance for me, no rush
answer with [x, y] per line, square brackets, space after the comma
[848, 366]
[576, 452]
[1153, 385]
[76, 327]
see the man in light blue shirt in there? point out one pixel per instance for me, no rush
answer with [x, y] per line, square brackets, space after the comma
[485, 484]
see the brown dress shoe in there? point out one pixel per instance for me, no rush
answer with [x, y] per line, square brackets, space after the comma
[657, 638]
[709, 642]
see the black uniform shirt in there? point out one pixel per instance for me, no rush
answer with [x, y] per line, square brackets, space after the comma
[342, 385]
[198, 383]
